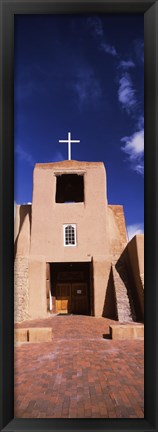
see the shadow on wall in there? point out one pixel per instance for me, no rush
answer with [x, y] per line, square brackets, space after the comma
[110, 308]
[23, 212]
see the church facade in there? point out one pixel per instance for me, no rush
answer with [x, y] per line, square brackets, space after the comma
[71, 249]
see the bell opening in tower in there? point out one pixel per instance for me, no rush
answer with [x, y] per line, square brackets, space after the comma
[69, 188]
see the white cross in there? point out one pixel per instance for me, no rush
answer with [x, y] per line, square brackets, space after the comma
[69, 141]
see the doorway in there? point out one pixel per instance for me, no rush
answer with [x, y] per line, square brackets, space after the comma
[71, 288]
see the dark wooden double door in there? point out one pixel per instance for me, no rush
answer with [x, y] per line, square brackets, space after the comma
[72, 298]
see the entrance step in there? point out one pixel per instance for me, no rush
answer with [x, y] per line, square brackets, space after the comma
[127, 331]
[32, 334]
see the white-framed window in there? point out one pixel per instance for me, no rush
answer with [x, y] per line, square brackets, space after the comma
[69, 235]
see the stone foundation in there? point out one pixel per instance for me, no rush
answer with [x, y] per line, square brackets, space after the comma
[21, 291]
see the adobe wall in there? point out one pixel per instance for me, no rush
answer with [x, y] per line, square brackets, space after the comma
[21, 265]
[101, 235]
[22, 229]
[101, 273]
[117, 230]
[90, 216]
[135, 249]
[135, 260]
[37, 287]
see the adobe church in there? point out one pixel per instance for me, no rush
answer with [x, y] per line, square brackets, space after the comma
[71, 250]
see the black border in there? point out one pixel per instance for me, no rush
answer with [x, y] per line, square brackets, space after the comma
[7, 10]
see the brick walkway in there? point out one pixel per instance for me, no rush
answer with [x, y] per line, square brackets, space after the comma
[79, 374]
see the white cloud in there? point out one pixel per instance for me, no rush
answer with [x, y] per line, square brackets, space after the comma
[134, 145]
[139, 168]
[134, 229]
[24, 155]
[134, 148]
[139, 50]
[140, 122]
[126, 64]
[96, 27]
[126, 93]
[86, 87]
[128, 97]
[109, 49]
[57, 157]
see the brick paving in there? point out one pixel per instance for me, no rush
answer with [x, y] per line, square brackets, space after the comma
[79, 374]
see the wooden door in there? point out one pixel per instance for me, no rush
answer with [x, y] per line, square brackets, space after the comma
[63, 297]
[79, 298]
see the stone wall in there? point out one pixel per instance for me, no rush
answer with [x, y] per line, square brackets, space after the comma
[21, 249]
[21, 292]
[124, 310]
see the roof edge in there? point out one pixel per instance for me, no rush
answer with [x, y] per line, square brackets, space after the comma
[68, 164]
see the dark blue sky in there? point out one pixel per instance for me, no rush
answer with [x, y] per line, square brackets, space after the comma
[83, 74]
